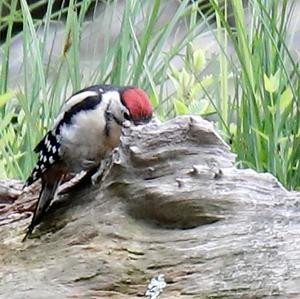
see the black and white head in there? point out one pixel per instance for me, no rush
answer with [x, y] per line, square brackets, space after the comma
[127, 104]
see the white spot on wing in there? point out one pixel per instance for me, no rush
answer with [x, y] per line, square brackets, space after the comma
[51, 160]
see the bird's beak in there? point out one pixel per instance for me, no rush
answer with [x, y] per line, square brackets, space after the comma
[126, 124]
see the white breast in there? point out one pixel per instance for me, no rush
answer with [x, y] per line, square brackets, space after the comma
[84, 143]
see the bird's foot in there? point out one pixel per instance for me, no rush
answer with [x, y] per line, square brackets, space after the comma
[105, 167]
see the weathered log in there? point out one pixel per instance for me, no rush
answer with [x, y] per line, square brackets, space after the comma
[173, 203]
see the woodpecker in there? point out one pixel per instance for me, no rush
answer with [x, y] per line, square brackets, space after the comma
[85, 132]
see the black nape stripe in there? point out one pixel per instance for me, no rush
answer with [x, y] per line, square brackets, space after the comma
[108, 119]
[87, 104]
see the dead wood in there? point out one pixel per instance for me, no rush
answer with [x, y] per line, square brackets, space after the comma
[173, 203]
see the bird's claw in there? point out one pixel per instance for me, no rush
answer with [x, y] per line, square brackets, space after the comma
[104, 168]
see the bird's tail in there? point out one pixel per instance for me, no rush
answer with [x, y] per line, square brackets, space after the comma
[47, 193]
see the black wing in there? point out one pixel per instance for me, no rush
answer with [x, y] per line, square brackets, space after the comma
[49, 153]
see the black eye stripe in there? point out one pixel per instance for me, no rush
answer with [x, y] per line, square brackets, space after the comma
[126, 115]
[117, 120]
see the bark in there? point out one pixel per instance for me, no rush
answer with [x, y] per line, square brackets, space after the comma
[173, 203]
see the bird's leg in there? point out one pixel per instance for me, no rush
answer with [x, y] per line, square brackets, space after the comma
[105, 167]
[102, 171]
[76, 184]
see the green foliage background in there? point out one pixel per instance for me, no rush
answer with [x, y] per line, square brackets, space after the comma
[252, 94]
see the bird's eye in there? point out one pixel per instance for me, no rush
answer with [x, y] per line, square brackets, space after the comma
[126, 115]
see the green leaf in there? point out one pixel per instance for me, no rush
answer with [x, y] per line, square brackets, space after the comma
[180, 107]
[189, 55]
[2, 169]
[175, 83]
[272, 109]
[174, 72]
[199, 106]
[232, 128]
[261, 134]
[271, 83]
[207, 81]
[286, 99]
[4, 98]
[185, 80]
[199, 60]
[200, 86]
[154, 100]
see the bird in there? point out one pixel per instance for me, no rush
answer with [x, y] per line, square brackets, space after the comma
[85, 132]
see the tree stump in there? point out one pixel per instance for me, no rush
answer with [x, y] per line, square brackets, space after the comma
[173, 203]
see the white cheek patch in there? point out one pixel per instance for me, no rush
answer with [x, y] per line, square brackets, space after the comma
[110, 97]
